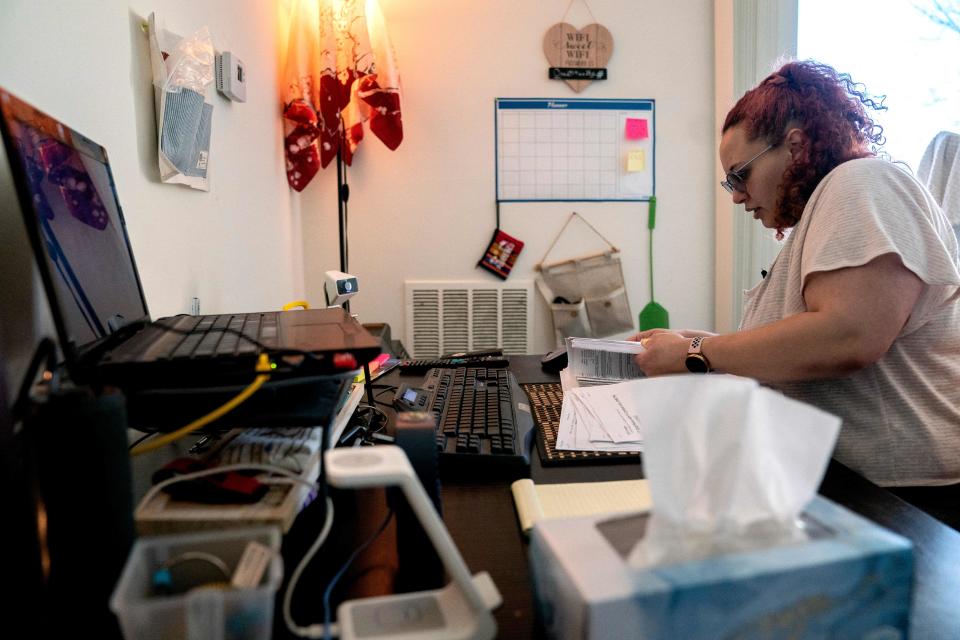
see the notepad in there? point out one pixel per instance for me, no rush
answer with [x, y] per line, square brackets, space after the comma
[537, 502]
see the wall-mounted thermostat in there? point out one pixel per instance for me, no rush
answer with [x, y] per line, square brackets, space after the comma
[231, 76]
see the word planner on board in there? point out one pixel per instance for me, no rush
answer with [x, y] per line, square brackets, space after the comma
[574, 150]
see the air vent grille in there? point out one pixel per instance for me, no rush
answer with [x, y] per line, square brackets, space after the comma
[451, 316]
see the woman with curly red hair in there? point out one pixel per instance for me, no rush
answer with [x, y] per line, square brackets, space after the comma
[860, 312]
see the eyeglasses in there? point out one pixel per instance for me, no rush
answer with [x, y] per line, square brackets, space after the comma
[737, 178]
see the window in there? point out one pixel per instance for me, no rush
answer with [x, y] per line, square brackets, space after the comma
[899, 48]
[905, 49]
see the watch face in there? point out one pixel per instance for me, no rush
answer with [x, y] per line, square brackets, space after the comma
[696, 364]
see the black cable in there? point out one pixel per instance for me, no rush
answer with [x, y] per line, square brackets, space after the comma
[366, 422]
[343, 569]
[383, 389]
[378, 412]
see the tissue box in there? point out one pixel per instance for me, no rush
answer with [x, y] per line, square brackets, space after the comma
[852, 579]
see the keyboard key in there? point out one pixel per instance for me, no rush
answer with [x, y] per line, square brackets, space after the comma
[169, 341]
[185, 348]
[208, 345]
[473, 444]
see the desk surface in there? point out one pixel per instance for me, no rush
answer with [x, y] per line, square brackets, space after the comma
[482, 521]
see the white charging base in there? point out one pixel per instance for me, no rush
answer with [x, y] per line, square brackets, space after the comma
[458, 611]
[441, 614]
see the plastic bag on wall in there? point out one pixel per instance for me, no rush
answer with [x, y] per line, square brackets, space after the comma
[182, 71]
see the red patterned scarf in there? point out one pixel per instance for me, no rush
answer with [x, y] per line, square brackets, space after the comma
[340, 72]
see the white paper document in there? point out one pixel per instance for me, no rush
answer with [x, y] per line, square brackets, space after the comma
[595, 361]
[602, 418]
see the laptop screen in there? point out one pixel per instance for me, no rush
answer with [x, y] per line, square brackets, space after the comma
[73, 216]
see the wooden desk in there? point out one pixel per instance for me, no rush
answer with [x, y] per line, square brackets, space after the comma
[482, 521]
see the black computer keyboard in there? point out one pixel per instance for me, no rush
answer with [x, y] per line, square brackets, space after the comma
[481, 429]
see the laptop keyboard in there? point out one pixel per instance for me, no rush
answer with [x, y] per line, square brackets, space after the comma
[200, 337]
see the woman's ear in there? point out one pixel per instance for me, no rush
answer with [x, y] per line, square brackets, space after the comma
[796, 142]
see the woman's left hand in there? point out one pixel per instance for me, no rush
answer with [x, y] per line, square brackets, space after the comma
[664, 352]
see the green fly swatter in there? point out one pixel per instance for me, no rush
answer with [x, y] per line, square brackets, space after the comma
[653, 316]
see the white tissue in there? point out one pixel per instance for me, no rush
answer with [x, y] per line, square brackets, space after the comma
[732, 468]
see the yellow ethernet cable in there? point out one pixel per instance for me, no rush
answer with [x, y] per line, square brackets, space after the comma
[263, 369]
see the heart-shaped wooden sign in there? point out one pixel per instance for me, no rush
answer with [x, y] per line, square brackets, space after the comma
[567, 47]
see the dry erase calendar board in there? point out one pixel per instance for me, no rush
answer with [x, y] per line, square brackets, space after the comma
[574, 150]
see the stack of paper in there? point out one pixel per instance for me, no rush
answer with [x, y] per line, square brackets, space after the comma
[599, 361]
[599, 418]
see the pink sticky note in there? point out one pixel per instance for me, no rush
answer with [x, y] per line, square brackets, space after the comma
[636, 129]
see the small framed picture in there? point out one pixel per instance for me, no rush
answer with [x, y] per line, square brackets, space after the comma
[501, 254]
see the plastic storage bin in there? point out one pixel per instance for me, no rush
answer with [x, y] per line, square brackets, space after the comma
[208, 613]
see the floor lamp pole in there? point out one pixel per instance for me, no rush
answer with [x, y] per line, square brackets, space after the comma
[343, 195]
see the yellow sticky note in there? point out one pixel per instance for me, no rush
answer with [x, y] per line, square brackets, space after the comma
[636, 161]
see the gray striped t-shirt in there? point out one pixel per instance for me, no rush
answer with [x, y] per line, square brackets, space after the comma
[901, 415]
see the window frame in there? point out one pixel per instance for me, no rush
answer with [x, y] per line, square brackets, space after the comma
[751, 36]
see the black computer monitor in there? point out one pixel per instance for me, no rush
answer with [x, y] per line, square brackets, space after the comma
[73, 216]
[64, 468]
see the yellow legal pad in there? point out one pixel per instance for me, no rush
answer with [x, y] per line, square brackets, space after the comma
[537, 502]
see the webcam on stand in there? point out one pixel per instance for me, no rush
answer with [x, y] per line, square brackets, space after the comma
[338, 287]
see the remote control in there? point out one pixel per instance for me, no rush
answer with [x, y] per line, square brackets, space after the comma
[473, 354]
[422, 366]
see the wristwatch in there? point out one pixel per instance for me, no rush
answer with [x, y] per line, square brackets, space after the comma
[697, 362]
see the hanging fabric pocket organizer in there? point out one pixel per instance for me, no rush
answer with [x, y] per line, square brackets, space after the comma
[586, 295]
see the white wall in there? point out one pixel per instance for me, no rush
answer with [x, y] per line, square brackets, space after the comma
[87, 63]
[426, 210]
[423, 211]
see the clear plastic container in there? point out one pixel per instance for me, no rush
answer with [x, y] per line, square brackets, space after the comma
[203, 612]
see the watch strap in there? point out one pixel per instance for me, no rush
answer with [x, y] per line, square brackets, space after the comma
[695, 345]
[696, 361]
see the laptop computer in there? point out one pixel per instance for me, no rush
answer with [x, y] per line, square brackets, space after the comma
[79, 238]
